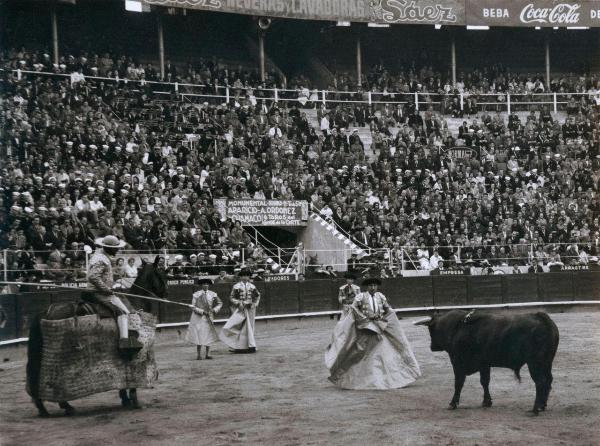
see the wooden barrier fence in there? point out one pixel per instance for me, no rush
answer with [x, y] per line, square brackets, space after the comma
[291, 298]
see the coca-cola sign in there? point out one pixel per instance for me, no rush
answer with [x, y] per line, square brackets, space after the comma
[559, 14]
[545, 13]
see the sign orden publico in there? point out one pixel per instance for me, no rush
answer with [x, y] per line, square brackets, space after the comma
[559, 14]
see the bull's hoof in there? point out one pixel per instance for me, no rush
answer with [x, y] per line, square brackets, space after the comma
[452, 405]
[535, 411]
[486, 403]
[43, 413]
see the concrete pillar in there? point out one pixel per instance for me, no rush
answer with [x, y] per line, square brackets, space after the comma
[547, 48]
[54, 20]
[358, 61]
[453, 59]
[261, 54]
[161, 45]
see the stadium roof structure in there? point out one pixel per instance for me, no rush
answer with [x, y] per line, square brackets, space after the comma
[472, 13]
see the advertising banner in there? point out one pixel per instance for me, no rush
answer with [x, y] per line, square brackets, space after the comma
[527, 13]
[450, 12]
[543, 13]
[280, 278]
[264, 212]
[50, 285]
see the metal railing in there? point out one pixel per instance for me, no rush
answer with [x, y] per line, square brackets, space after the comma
[446, 103]
[386, 262]
[401, 259]
[72, 265]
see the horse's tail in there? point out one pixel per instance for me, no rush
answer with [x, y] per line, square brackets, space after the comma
[34, 356]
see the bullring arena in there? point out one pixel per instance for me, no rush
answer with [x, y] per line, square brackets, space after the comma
[281, 395]
[299, 222]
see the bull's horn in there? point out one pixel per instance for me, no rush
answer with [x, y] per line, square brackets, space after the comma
[425, 321]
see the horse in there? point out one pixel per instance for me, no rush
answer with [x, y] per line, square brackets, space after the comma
[151, 281]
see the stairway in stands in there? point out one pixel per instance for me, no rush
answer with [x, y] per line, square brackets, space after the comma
[342, 237]
[364, 132]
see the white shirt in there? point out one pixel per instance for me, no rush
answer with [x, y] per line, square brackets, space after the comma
[434, 261]
[326, 211]
[423, 256]
[81, 205]
[95, 205]
[274, 131]
[372, 199]
[77, 77]
[373, 303]
[130, 271]
[166, 150]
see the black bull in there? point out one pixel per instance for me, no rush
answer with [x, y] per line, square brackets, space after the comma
[150, 282]
[478, 341]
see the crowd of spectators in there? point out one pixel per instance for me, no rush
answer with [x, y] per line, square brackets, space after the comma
[436, 86]
[209, 72]
[85, 158]
[384, 84]
[500, 191]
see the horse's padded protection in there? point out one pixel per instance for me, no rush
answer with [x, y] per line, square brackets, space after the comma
[80, 357]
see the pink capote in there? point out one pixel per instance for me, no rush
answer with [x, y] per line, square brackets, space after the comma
[238, 331]
[366, 354]
[201, 330]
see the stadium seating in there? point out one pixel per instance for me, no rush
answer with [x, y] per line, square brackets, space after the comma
[421, 182]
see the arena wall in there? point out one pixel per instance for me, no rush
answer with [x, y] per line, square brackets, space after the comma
[296, 298]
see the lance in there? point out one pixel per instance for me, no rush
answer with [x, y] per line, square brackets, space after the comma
[52, 285]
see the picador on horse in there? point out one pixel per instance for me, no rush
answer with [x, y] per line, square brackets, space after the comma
[100, 293]
[75, 335]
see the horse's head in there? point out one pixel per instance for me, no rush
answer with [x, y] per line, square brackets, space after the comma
[151, 281]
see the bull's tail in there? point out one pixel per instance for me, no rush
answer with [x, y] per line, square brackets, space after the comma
[550, 333]
[34, 356]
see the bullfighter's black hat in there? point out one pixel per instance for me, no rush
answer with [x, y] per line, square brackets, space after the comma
[371, 281]
[205, 281]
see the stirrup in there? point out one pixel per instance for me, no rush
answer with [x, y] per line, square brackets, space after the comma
[131, 346]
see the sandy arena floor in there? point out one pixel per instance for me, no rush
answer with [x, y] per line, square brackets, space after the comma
[281, 396]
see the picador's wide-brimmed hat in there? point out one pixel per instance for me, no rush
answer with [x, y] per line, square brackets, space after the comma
[350, 276]
[205, 281]
[245, 272]
[371, 281]
[110, 241]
